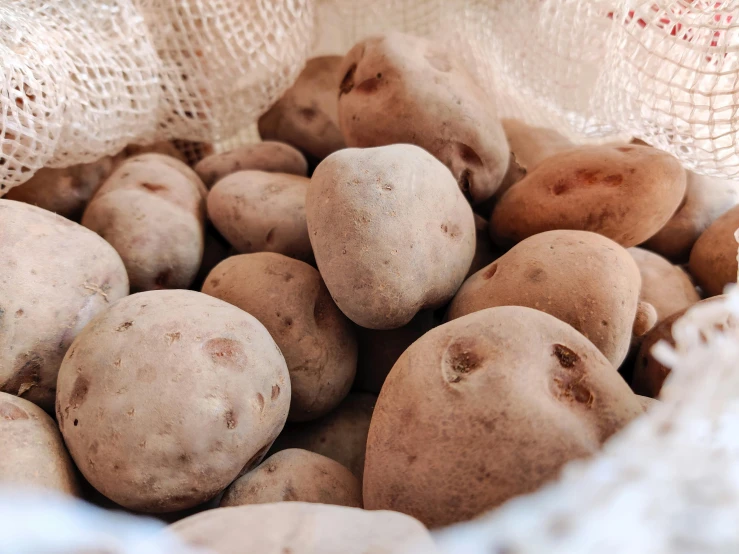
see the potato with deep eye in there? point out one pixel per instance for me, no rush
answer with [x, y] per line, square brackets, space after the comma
[487, 407]
[399, 88]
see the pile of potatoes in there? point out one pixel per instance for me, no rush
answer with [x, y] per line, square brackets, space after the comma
[396, 302]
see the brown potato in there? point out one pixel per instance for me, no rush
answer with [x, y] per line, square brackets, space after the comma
[33, 452]
[289, 298]
[165, 398]
[341, 435]
[706, 199]
[65, 191]
[56, 276]
[391, 232]
[299, 476]
[303, 528]
[257, 211]
[152, 211]
[626, 193]
[264, 156]
[665, 286]
[581, 278]
[306, 116]
[399, 88]
[713, 262]
[485, 408]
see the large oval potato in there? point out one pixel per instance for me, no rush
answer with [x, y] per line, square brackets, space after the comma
[706, 199]
[307, 114]
[262, 156]
[289, 298]
[33, 452]
[152, 211]
[296, 475]
[56, 276]
[627, 193]
[485, 408]
[399, 88]
[391, 232]
[713, 262]
[257, 211]
[166, 397]
[303, 528]
[581, 278]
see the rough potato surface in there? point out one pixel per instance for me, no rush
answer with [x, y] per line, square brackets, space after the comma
[713, 257]
[165, 398]
[391, 232]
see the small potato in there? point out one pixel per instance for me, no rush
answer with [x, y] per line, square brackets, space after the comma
[665, 286]
[33, 452]
[258, 211]
[485, 408]
[713, 262]
[168, 396]
[152, 211]
[65, 191]
[399, 88]
[306, 116]
[341, 435]
[581, 278]
[391, 232]
[289, 298]
[264, 156]
[627, 193]
[303, 528]
[706, 199]
[56, 276]
[299, 476]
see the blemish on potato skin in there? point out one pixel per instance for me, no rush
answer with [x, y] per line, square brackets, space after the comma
[226, 352]
[11, 412]
[460, 359]
[490, 271]
[172, 337]
[567, 358]
[260, 401]
[347, 83]
[79, 392]
[567, 383]
[124, 326]
[275, 391]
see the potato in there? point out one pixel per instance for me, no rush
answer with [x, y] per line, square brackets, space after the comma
[152, 211]
[306, 116]
[56, 276]
[166, 397]
[258, 211]
[665, 286]
[303, 528]
[264, 156]
[706, 199]
[65, 191]
[289, 298]
[627, 193]
[399, 88]
[581, 278]
[713, 262]
[341, 435]
[379, 350]
[33, 450]
[391, 232]
[485, 408]
[296, 475]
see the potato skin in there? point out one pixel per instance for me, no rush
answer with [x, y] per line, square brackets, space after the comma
[33, 450]
[167, 396]
[56, 277]
[306, 116]
[491, 406]
[626, 193]
[706, 199]
[289, 298]
[379, 215]
[581, 278]
[303, 528]
[257, 211]
[264, 156]
[152, 212]
[298, 476]
[399, 88]
[713, 257]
